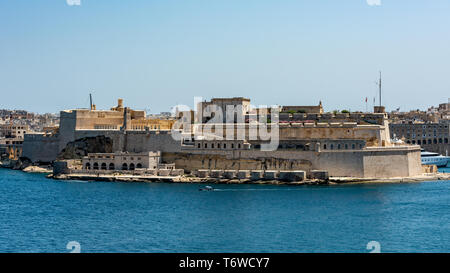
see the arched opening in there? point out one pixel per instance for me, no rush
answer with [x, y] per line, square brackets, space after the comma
[324, 146]
[435, 141]
[124, 166]
[139, 166]
[88, 166]
[131, 166]
[111, 166]
[103, 167]
[301, 147]
[332, 146]
[445, 140]
[429, 141]
[339, 146]
[440, 140]
[95, 166]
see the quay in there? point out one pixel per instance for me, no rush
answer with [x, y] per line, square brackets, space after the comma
[220, 180]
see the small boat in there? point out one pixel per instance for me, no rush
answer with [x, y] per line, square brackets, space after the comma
[206, 188]
[429, 158]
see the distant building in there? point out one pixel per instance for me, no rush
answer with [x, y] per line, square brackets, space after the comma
[13, 130]
[11, 148]
[433, 137]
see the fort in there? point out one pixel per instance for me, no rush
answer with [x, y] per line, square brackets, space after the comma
[353, 145]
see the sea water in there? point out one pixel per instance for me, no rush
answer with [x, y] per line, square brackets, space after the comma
[43, 215]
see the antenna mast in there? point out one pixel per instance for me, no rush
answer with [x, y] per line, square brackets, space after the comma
[379, 86]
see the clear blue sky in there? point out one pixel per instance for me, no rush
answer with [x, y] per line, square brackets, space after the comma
[155, 54]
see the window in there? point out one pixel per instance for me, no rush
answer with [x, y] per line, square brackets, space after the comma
[324, 146]
[353, 146]
[346, 146]
[111, 166]
[239, 145]
[198, 146]
[224, 145]
[339, 146]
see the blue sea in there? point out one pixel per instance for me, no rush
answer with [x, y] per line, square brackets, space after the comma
[43, 215]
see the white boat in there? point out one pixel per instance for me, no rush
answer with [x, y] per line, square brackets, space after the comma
[206, 188]
[430, 158]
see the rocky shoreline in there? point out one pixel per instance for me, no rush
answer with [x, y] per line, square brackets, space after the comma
[192, 179]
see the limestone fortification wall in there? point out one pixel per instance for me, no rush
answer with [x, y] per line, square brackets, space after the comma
[369, 162]
[40, 148]
[382, 162]
[136, 141]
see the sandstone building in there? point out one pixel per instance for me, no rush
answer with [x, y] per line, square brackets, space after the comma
[122, 161]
